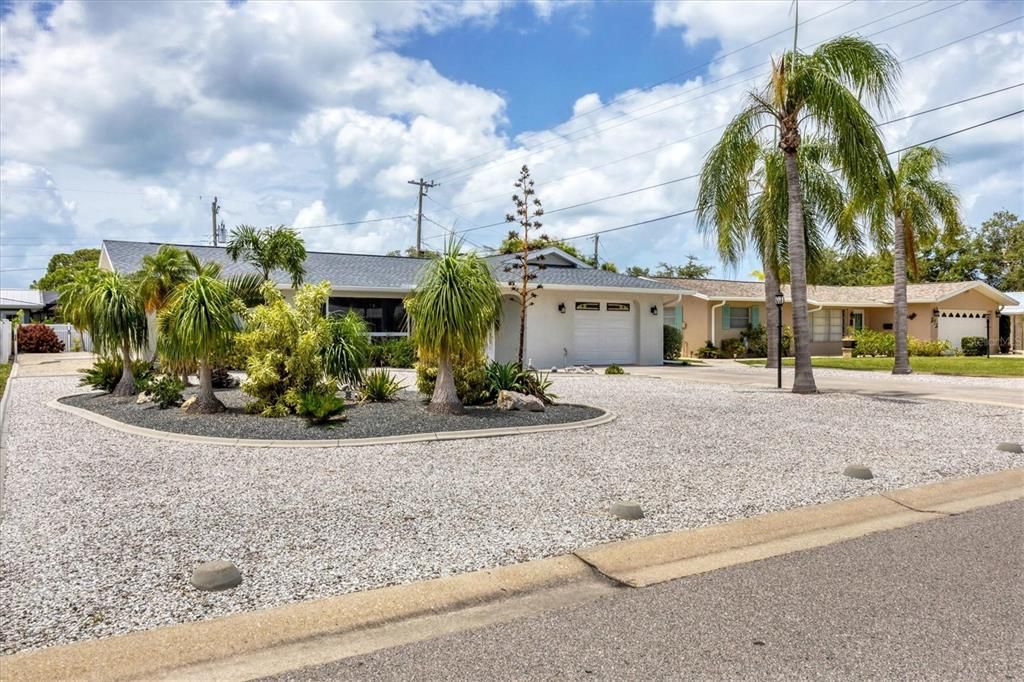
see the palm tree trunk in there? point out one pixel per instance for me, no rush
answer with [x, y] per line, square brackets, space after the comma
[803, 381]
[771, 315]
[901, 360]
[206, 401]
[445, 399]
[126, 386]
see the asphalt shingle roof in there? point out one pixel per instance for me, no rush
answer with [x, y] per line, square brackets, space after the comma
[361, 271]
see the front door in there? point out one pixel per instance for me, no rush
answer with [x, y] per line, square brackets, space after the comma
[857, 319]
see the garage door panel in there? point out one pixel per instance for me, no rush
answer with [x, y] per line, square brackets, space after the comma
[604, 336]
[956, 324]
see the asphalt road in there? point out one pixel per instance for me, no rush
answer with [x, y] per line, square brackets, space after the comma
[937, 600]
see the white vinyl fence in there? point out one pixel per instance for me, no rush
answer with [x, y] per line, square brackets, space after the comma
[72, 338]
[5, 341]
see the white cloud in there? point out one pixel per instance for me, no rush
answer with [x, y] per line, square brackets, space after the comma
[249, 157]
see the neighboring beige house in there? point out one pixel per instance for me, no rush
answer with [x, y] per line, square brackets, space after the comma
[1016, 315]
[721, 309]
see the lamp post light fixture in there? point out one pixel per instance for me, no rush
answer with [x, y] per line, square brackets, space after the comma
[779, 300]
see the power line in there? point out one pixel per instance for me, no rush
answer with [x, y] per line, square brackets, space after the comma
[694, 210]
[672, 78]
[710, 130]
[467, 170]
[353, 222]
[696, 175]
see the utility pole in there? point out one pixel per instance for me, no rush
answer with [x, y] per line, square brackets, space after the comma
[596, 261]
[215, 210]
[423, 187]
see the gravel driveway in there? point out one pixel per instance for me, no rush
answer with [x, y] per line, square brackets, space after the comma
[101, 529]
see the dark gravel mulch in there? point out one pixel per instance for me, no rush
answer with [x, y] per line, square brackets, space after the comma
[405, 415]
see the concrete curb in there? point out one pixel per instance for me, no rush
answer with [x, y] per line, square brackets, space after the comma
[427, 436]
[246, 645]
[4, 400]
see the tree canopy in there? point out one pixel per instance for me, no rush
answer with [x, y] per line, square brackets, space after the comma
[692, 269]
[63, 267]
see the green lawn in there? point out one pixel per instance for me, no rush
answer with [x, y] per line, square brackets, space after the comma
[5, 371]
[959, 365]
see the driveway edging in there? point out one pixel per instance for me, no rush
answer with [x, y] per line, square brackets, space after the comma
[427, 436]
[4, 400]
[245, 645]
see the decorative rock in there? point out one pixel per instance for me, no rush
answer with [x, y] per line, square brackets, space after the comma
[188, 403]
[511, 400]
[628, 511]
[857, 471]
[143, 398]
[1010, 447]
[216, 575]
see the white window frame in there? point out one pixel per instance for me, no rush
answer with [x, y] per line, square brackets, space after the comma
[827, 325]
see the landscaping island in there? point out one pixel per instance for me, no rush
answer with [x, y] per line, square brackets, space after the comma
[407, 414]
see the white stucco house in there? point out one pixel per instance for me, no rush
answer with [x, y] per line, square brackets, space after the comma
[581, 315]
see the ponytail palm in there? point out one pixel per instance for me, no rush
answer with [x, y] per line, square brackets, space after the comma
[909, 206]
[197, 326]
[454, 308]
[114, 314]
[814, 91]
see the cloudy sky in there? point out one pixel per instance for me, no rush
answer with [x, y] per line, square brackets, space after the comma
[124, 120]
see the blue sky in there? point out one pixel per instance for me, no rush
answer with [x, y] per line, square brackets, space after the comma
[123, 119]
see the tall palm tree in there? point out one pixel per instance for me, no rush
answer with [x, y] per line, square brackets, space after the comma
[116, 319]
[813, 91]
[752, 207]
[198, 325]
[908, 206]
[269, 249]
[455, 306]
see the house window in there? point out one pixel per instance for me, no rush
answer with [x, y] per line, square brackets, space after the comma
[588, 305]
[384, 316]
[739, 318]
[827, 325]
[617, 307]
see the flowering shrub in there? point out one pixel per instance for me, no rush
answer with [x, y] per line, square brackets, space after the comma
[38, 338]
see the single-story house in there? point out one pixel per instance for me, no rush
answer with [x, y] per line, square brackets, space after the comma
[581, 315]
[28, 304]
[721, 309]
[1015, 315]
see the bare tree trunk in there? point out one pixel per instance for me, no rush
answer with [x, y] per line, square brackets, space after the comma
[803, 381]
[445, 399]
[184, 378]
[901, 359]
[206, 401]
[771, 315]
[126, 386]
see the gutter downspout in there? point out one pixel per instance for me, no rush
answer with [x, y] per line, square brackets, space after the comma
[713, 326]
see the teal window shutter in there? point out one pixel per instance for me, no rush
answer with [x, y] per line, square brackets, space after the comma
[725, 316]
[755, 315]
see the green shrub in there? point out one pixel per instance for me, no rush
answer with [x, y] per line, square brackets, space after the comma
[38, 338]
[318, 406]
[165, 391]
[874, 343]
[733, 348]
[470, 380]
[974, 345]
[347, 351]
[399, 352]
[106, 372]
[379, 386]
[673, 342]
[927, 348]
[708, 350]
[755, 339]
[614, 369]
[284, 346]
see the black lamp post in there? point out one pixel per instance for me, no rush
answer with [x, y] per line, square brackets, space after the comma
[779, 300]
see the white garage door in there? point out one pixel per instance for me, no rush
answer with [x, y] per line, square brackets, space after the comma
[605, 332]
[956, 324]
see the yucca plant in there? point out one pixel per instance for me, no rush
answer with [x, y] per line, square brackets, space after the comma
[504, 376]
[379, 386]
